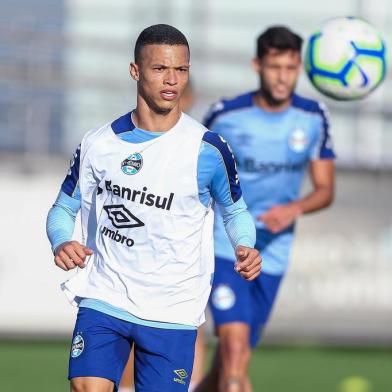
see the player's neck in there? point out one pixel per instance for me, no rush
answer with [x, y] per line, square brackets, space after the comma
[275, 107]
[149, 120]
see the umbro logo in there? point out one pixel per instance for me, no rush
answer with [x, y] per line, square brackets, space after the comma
[181, 376]
[121, 217]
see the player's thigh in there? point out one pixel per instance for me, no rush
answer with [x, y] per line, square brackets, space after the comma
[91, 384]
[263, 296]
[200, 353]
[163, 359]
[234, 338]
[127, 376]
[230, 299]
[100, 348]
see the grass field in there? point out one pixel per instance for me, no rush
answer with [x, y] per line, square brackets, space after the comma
[41, 366]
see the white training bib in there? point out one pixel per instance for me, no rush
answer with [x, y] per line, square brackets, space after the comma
[142, 216]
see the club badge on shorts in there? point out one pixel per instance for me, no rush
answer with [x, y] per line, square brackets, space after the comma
[77, 346]
[223, 297]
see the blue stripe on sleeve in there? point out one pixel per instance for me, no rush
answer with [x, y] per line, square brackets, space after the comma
[230, 172]
[209, 163]
[311, 106]
[326, 150]
[60, 222]
[213, 181]
[72, 179]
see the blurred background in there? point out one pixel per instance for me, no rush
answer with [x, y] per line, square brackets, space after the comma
[64, 70]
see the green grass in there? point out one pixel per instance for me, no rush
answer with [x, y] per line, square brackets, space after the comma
[42, 366]
[320, 369]
[33, 366]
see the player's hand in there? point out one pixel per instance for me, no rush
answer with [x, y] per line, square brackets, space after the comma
[71, 254]
[280, 217]
[248, 263]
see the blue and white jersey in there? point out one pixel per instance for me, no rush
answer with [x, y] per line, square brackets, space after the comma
[165, 191]
[272, 151]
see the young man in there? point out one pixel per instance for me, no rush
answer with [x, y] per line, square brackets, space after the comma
[276, 136]
[144, 184]
[127, 380]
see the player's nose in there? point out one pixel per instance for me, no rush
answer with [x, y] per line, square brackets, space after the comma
[171, 77]
[283, 75]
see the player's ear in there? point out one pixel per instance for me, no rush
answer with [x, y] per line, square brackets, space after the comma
[134, 71]
[256, 65]
[301, 66]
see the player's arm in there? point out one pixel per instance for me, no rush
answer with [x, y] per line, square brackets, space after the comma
[241, 231]
[60, 222]
[322, 176]
[225, 188]
[60, 225]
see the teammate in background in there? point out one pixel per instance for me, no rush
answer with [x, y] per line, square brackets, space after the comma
[127, 380]
[276, 135]
[144, 184]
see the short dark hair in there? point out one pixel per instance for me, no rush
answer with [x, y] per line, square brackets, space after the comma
[280, 38]
[159, 34]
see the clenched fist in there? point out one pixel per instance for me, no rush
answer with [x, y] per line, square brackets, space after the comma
[71, 254]
[248, 263]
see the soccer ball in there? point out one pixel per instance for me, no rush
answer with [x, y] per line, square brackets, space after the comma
[346, 59]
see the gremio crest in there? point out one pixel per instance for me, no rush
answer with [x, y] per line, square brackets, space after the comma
[132, 164]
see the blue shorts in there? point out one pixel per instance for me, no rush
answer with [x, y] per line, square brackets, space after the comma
[233, 299]
[101, 345]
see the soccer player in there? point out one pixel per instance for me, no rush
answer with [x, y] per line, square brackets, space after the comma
[127, 384]
[144, 184]
[276, 136]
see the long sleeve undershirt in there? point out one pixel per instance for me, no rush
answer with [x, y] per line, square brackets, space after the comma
[214, 182]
